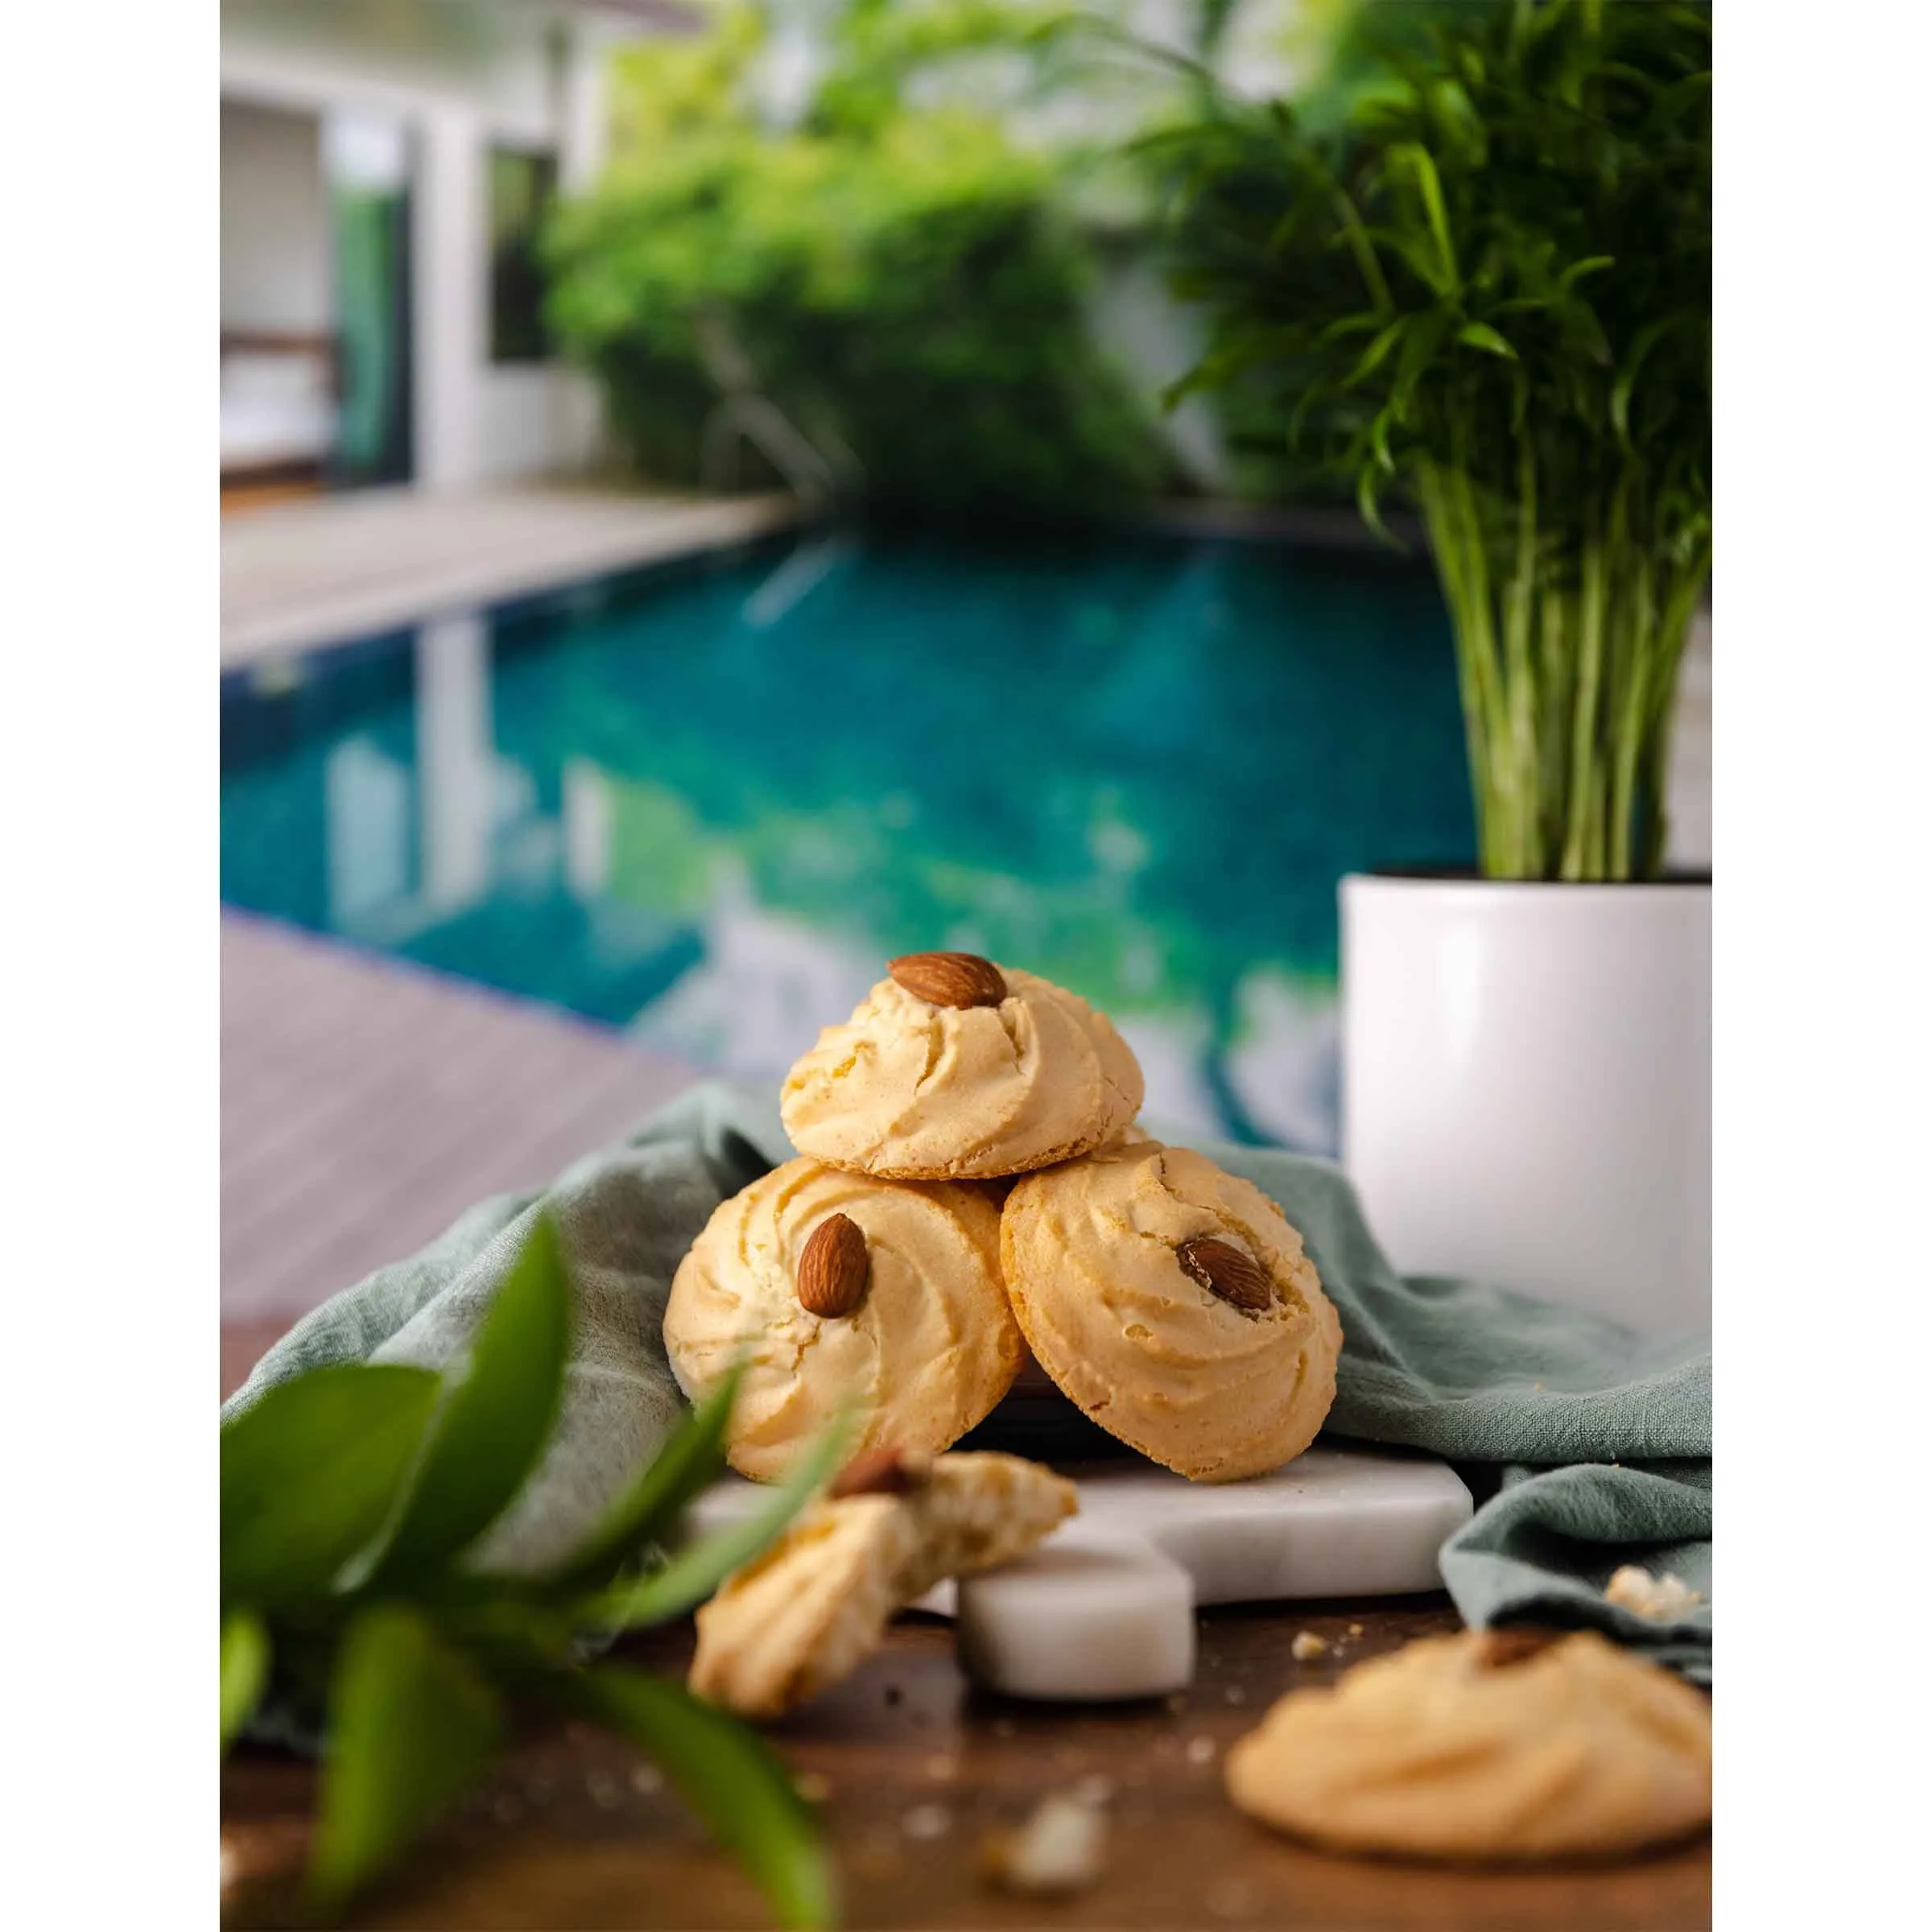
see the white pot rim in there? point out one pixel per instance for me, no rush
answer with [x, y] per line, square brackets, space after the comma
[1452, 882]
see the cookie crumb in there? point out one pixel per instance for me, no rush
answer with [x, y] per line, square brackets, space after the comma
[942, 1767]
[1306, 1644]
[1176, 1701]
[603, 1790]
[1061, 1848]
[1355, 1629]
[647, 1780]
[1660, 1598]
[1200, 1750]
[927, 1821]
[1095, 1788]
[1229, 1898]
[1235, 1694]
[812, 1787]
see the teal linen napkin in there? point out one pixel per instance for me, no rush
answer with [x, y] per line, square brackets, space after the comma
[1588, 1446]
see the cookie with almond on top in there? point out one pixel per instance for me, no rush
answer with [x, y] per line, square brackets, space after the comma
[1171, 1302]
[955, 1068]
[844, 1295]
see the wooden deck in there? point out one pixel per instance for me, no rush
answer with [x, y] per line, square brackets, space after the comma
[334, 568]
[364, 1103]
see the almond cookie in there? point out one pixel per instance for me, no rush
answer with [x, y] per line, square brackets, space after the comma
[1486, 1745]
[1171, 1302]
[806, 1613]
[953, 1068]
[838, 1289]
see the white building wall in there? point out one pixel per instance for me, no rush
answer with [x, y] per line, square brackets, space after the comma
[459, 76]
[274, 222]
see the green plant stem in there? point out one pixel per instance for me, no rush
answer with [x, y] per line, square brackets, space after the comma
[1579, 858]
[1673, 630]
[1568, 680]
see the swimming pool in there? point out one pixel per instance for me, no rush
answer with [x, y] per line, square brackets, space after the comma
[705, 804]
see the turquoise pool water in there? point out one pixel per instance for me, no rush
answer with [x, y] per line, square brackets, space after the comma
[705, 805]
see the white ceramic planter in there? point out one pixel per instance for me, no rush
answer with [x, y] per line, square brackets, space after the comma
[1526, 1086]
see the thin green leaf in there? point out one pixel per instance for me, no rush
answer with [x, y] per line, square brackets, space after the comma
[245, 1657]
[1421, 260]
[690, 1458]
[1590, 265]
[1479, 335]
[694, 1572]
[1378, 444]
[727, 1774]
[312, 1471]
[411, 1726]
[493, 1423]
[1367, 501]
[1647, 338]
[1422, 165]
[1374, 354]
[1345, 325]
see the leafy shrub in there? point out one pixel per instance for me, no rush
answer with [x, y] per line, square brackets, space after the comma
[904, 287]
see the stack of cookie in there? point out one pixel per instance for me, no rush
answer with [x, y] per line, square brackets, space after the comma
[971, 1187]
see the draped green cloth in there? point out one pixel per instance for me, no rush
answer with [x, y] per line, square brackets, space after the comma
[1588, 1446]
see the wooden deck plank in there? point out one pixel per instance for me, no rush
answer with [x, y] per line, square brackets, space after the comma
[365, 1104]
[333, 567]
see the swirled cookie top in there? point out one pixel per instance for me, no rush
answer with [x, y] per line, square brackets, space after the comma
[921, 1353]
[913, 1087]
[1491, 1744]
[1171, 1301]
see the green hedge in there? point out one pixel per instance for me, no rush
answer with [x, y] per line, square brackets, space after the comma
[915, 293]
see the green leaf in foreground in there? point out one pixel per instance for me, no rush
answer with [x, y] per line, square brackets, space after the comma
[312, 1472]
[727, 1774]
[493, 1423]
[691, 1456]
[411, 1727]
[693, 1573]
[244, 1655]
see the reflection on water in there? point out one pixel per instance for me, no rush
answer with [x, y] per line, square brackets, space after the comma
[707, 806]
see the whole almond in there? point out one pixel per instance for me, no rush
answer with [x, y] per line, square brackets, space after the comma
[1222, 1269]
[835, 1267]
[1496, 1649]
[949, 978]
[882, 1473]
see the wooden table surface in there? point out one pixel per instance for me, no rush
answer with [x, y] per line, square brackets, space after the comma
[913, 1767]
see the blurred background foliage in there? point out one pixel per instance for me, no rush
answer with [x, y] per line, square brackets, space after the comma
[919, 231]
[901, 277]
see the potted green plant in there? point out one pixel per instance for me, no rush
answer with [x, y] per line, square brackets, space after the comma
[1481, 289]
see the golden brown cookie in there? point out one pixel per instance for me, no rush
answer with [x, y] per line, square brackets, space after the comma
[815, 1604]
[1486, 1745]
[838, 1289]
[1170, 1301]
[916, 1086]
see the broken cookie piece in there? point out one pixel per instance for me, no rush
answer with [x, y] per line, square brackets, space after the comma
[807, 1611]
